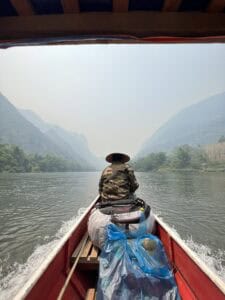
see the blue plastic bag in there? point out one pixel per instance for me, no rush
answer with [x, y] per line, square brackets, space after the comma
[129, 271]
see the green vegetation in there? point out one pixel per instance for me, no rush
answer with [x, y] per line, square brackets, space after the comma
[221, 139]
[151, 162]
[14, 160]
[29, 132]
[181, 158]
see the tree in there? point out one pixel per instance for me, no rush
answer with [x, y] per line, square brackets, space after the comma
[181, 157]
[221, 139]
[151, 162]
[198, 158]
[14, 160]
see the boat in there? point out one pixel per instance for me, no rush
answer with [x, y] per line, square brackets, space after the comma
[75, 262]
[72, 267]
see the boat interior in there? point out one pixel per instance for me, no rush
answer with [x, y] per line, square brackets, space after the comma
[71, 270]
[88, 262]
[188, 275]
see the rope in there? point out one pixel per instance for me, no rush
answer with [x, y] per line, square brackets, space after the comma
[83, 242]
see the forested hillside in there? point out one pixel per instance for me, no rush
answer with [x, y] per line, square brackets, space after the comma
[27, 131]
[199, 124]
[15, 160]
[185, 157]
[15, 129]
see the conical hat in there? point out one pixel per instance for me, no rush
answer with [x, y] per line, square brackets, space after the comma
[124, 157]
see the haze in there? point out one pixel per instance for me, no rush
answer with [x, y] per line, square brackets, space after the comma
[117, 96]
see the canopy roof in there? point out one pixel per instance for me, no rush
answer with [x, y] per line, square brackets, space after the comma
[27, 22]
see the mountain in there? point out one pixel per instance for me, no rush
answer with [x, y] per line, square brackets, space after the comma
[15, 129]
[26, 130]
[199, 124]
[73, 144]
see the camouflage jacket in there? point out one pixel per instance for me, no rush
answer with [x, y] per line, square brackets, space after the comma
[117, 182]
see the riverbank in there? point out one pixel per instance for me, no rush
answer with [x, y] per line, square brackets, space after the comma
[218, 168]
[184, 158]
[14, 160]
[187, 170]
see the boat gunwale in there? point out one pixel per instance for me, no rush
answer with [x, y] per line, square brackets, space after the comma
[193, 256]
[23, 292]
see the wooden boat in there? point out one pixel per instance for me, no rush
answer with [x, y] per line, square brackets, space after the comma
[51, 22]
[194, 279]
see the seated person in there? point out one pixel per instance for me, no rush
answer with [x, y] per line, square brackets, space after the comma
[118, 180]
[117, 183]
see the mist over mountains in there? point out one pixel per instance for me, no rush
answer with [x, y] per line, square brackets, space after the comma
[199, 124]
[74, 145]
[27, 130]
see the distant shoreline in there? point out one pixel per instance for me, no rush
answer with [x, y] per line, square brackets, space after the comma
[186, 158]
[167, 170]
[78, 171]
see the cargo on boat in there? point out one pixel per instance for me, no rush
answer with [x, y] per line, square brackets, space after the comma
[194, 279]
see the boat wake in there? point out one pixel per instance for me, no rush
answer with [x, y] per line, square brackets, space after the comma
[215, 260]
[18, 274]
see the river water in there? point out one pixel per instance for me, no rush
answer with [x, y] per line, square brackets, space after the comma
[36, 210]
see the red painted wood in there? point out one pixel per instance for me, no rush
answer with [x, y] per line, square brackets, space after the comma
[165, 239]
[55, 291]
[71, 294]
[200, 283]
[52, 280]
[192, 282]
[79, 284]
[184, 290]
[195, 279]
[49, 280]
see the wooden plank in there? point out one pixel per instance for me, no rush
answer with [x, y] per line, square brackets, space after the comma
[78, 248]
[23, 7]
[94, 253]
[216, 6]
[120, 5]
[87, 249]
[90, 294]
[138, 24]
[171, 5]
[70, 6]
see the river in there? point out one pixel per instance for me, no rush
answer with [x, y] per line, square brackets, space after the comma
[37, 210]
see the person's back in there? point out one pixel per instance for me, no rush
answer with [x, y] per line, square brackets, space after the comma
[118, 180]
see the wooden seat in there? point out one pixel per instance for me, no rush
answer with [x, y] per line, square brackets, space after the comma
[89, 256]
[91, 294]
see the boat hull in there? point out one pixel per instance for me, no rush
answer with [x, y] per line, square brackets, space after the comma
[194, 279]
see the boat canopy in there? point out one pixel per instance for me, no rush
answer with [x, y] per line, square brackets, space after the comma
[37, 22]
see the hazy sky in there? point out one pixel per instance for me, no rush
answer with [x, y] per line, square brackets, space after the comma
[116, 95]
